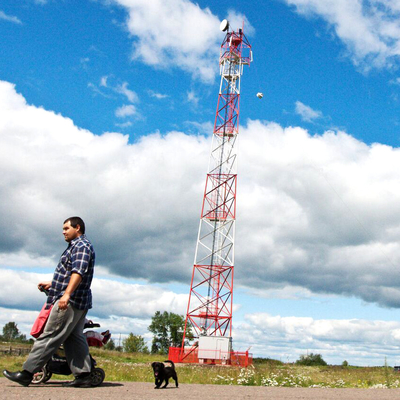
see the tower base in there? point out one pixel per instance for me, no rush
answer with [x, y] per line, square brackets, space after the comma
[190, 355]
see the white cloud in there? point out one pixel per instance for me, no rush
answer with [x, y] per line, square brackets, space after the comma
[192, 98]
[285, 292]
[175, 33]
[370, 30]
[103, 81]
[128, 189]
[124, 125]
[121, 89]
[158, 96]
[119, 307]
[25, 284]
[238, 21]
[316, 214]
[395, 81]
[9, 18]
[96, 90]
[129, 94]
[126, 111]
[306, 112]
[205, 128]
[111, 297]
[354, 340]
[134, 300]
[30, 260]
[127, 307]
[319, 212]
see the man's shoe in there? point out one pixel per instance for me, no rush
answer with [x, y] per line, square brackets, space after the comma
[24, 378]
[80, 381]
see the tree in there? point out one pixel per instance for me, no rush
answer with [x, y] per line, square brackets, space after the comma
[11, 332]
[168, 331]
[311, 359]
[135, 344]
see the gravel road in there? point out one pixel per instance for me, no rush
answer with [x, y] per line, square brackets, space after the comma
[53, 390]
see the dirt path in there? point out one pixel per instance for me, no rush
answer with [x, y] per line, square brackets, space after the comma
[144, 391]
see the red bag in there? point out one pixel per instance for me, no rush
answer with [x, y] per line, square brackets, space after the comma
[40, 323]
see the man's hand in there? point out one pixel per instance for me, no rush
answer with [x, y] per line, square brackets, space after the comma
[63, 302]
[72, 285]
[42, 286]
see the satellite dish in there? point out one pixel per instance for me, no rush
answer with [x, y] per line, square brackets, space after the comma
[224, 25]
[260, 95]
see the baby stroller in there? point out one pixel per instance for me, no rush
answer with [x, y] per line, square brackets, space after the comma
[58, 362]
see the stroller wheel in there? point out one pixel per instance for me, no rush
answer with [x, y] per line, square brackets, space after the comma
[97, 376]
[42, 376]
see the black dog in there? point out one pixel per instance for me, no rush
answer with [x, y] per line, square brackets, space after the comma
[163, 373]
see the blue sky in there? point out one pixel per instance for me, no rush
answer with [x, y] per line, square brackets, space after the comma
[57, 53]
[106, 111]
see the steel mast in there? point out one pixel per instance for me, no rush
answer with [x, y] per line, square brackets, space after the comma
[209, 311]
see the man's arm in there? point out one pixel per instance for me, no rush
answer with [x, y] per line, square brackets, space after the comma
[74, 282]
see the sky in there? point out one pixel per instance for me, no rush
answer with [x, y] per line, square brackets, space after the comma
[107, 110]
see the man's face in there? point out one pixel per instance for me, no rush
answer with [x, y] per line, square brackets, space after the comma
[69, 232]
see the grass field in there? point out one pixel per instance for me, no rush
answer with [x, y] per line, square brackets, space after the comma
[136, 367]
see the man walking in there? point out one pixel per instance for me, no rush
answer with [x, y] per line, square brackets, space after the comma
[71, 296]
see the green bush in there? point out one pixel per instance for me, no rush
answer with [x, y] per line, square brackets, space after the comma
[311, 360]
[135, 344]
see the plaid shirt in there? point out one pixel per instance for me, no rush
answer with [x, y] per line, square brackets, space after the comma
[79, 257]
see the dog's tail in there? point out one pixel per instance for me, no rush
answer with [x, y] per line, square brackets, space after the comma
[169, 361]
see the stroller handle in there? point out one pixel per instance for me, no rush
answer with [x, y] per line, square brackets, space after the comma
[91, 324]
[42, 289]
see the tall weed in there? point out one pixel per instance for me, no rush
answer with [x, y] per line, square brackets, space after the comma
[136, 367]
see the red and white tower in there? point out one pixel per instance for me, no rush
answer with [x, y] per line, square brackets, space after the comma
[209, 311]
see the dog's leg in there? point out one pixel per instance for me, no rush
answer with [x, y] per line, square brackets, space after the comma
[166, 383]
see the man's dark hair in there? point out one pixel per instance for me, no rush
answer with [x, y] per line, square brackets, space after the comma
[76, 221]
